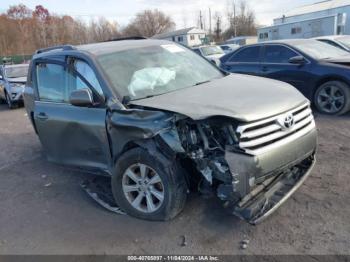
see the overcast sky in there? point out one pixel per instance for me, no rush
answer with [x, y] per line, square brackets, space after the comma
[184, 13]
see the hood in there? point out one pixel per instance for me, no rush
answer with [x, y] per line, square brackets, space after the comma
[216, 56]
[245, 98]
[344, 60]
[22, 79]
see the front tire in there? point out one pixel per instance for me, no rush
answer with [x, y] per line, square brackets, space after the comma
[144, 186]
[333, 98]
[10, 103]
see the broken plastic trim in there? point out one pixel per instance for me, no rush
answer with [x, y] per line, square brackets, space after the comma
[99, 189]
[255, 208]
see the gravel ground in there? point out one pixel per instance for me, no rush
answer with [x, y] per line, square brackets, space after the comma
[44, 211]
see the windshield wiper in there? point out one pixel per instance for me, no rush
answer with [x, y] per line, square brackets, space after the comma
[203, 82]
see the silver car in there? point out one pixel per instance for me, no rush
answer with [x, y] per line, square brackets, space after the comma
[12, 82]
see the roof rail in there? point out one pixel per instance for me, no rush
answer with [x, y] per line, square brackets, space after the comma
[63, 47]
[127, 38]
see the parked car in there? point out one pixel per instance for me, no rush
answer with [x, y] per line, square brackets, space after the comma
[340, 41]
[12, 82]
[318, 70]
[213, 53]
[160, 120]
[228, 48]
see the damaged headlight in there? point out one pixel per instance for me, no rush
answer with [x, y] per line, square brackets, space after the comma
[204, 137]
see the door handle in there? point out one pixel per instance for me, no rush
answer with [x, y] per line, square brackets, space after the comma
[42, 116]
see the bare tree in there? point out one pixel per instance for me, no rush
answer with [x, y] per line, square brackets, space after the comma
[241, 19]
[149, 23]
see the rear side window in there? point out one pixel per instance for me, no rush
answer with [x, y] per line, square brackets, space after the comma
[247, 55]
[278, 54]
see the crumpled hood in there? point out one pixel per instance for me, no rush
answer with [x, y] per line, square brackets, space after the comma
[245, 98]
[22, 79]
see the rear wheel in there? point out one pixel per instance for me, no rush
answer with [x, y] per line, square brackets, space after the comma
[333, 98]
[144, 188]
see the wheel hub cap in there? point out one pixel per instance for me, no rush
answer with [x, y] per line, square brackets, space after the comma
[143, 188]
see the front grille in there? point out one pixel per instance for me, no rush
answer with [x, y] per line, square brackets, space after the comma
[259, 137]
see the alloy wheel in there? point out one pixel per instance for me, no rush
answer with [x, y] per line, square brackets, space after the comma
[143, 188]
[331, 99]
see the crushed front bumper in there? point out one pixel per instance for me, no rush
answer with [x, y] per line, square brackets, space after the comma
[261, 183]
[272, 193]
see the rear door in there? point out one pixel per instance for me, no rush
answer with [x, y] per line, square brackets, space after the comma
[245, 61]
[70, 135]
[276, 65]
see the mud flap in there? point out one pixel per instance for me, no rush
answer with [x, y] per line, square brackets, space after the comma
[99, 189]
[263, 201]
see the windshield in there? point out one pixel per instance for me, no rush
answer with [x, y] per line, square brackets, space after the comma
[319, 50]
[155, 70]
[16, 71]
[345, 40]
[211, 50]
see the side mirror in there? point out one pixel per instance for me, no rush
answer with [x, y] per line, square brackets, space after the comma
[299, 60]
[81, 97]
[1, 77]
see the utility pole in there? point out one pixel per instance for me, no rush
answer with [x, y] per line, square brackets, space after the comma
[200, 20]
[209, 21]
[234, 18]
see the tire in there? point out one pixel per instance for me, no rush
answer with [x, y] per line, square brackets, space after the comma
[333, 98]
[172, 186]
[10, 103]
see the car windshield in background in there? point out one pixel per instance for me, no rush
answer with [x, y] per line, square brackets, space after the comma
[154, 70]
[211, 50]
[319, 50]
[16, 71]
[345, 40]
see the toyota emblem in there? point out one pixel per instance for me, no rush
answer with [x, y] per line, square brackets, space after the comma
[286, 121]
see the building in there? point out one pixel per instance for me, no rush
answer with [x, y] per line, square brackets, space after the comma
[330, 17]
[189, 36]
[242, 40]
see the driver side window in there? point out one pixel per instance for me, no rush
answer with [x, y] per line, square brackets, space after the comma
[55, 82]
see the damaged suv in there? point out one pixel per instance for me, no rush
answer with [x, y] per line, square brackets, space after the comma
[160, 120]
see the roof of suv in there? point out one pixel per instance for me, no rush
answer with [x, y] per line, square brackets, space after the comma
[110, 46]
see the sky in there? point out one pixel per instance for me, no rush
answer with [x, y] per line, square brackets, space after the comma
[184, 12]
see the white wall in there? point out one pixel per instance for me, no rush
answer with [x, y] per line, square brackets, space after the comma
[309, 29]
[334, 11]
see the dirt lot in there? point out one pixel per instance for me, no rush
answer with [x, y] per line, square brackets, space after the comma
[44, 211]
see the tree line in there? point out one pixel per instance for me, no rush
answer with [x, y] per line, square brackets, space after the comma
[22, 30]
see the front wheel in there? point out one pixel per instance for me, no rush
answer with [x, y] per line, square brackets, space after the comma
[9, 102]
[145, 188]
[333, 98]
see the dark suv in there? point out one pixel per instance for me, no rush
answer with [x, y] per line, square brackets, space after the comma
[160, 120]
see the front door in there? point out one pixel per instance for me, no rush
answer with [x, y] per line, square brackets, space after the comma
[69, 134]
[276, 65]
[244, 61]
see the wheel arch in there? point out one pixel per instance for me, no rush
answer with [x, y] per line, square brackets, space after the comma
[326, 79]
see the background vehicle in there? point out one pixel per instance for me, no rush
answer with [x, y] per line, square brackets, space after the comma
[340, 41]
[12, 82]
[169, 122]
[318, 70]
[211, 52]
[228, 48]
